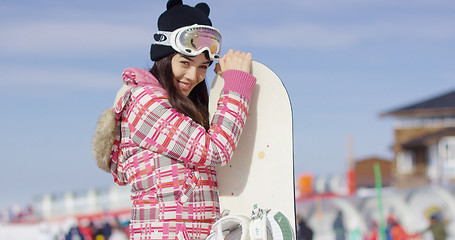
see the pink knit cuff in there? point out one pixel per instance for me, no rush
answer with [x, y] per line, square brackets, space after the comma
[239, 82]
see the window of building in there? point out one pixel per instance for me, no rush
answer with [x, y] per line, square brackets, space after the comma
[405, 162]
[446, 148]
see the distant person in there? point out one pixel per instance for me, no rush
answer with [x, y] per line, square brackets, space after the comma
[374, 231]
[117, 231]
[99, 234]
[338, 227]
[74, 234]
[437, 227]
[87, 230]
[304, 232]
[161, 139]
[107, 230]
[397, 232]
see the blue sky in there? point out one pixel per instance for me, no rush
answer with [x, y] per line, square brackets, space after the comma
[343, 63]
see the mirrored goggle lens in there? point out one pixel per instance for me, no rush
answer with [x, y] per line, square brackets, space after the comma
[197, 39]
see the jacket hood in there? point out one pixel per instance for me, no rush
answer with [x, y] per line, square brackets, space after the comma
[106, 140]
[134, 77]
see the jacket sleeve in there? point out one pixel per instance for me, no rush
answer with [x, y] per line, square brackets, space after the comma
[156, 126]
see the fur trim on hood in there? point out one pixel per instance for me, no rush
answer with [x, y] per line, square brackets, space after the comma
[108, 126]
[105, 133]
[103, 139]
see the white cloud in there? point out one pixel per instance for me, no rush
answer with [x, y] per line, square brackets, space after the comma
[312, 5]
[13, 75]
[70, 38]
[449, 76]
[302, 35]
[340, 35]
[79, 38]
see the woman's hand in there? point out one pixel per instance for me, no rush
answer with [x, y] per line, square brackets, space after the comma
[234, 60]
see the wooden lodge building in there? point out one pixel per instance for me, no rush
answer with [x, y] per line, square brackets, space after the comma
[424, 144]
[364, 172]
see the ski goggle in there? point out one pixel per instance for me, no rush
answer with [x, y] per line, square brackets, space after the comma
[192, 40]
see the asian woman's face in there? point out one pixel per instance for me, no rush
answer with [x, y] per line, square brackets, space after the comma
[189, 71]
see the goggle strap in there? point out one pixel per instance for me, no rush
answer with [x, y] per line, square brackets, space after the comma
[163, 38]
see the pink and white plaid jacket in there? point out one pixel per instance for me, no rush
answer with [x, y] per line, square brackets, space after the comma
[168, 159]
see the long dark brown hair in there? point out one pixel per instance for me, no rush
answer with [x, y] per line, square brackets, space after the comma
[195, 105]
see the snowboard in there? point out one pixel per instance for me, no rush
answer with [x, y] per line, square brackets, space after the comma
[261, 171]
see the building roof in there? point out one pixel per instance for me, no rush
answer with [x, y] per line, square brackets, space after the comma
[441, 105]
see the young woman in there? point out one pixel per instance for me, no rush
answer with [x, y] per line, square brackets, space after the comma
[164, 146]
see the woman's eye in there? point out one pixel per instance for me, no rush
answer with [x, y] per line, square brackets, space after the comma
[204, 67]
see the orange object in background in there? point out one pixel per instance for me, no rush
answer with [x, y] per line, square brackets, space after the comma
[351, 181]
[306, 184]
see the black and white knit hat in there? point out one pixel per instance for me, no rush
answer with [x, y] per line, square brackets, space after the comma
[176, 16]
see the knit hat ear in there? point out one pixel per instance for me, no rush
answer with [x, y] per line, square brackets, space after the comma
[204, 8]
[173, 3]
[176, 16]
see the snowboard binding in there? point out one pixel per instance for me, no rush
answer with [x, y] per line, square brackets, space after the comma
[264, 224]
